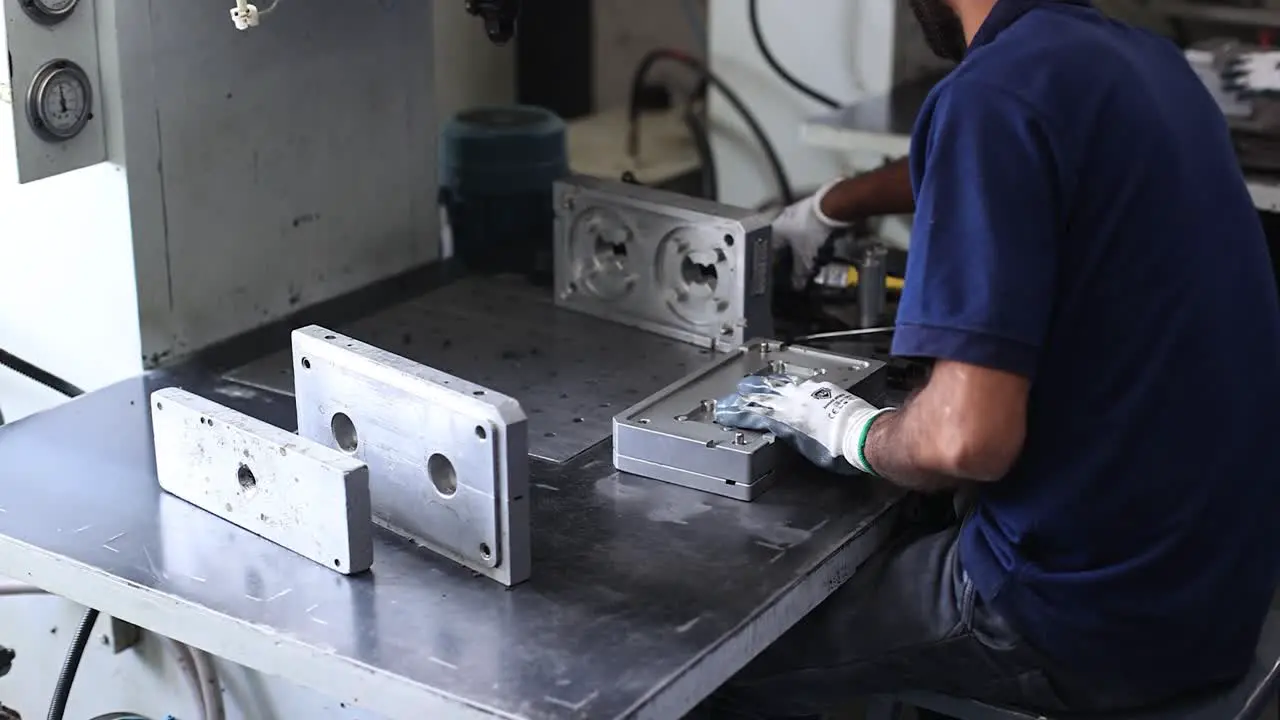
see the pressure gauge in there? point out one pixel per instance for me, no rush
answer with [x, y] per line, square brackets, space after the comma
[59, 101]
[49, 12]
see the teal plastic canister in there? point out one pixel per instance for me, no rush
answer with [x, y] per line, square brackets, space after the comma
[497, 168]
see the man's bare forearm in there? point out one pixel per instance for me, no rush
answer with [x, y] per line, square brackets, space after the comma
[883, 191]
[966, 425]
[898, 453]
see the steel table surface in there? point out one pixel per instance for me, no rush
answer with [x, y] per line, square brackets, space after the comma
[644, 596]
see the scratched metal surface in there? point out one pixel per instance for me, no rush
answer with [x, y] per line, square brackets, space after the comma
[645, 596]
[571, 373]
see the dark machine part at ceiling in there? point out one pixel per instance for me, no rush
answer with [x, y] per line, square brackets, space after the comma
[499, 17]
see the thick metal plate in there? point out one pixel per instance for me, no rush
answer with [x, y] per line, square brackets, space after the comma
[293, 492]
[571, 372]
[682, 267]
[448, 459]
[673, 436]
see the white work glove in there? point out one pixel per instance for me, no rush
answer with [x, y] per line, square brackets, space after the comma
[1254, 72]
[804, 228]
[824, 423]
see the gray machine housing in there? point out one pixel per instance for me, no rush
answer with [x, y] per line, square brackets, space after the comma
[672, 435]
[682, 267]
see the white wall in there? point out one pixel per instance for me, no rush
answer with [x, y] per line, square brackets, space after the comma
[845, 49]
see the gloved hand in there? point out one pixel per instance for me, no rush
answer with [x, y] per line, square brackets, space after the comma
[824, 423]
[1254, 73]
[805, 228]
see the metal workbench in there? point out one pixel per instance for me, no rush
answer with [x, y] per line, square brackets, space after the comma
[882, 125]
[644, 597]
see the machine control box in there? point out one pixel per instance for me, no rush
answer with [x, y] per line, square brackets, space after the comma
[672, 435]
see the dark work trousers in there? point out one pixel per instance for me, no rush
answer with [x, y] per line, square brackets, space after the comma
[910, 619]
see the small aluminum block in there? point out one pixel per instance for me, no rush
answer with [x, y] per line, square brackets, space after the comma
[690, 269]
[289, 490]
[673, 436]
[448, 459]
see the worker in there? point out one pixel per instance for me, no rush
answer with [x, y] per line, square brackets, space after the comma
[1091, 281]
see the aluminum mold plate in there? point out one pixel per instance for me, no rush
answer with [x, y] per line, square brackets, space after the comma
[287, 489]
[682, 267]
[448, 459]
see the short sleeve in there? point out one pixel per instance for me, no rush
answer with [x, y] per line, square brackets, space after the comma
[983, 258]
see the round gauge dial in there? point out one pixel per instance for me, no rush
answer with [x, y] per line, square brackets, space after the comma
[49, 12]
[60, 101]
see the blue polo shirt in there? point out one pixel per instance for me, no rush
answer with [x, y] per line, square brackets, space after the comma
[1082, 221]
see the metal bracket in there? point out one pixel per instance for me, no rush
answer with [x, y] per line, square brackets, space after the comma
[448, 459]
[293, 492]
[120, 635]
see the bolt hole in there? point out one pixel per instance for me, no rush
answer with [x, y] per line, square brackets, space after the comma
[478, 393]
[442, 475]
[549, 435]
[728, 240]
[485, 552]
[480, 433]
[643, 421]
[337, 562]
[579, 420]
[245, 477]
[306, 363]
[159, 406]
[344, 432]
[331, 337]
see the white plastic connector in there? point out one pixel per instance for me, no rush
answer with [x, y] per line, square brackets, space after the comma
[245, 15]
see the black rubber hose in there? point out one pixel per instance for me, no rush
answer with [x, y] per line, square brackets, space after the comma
[62, 691]
[702, 143]
[48, 379]
[637, 86]
[753, 14]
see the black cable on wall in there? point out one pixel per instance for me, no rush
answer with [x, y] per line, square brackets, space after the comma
[705, 73]
[753, 14]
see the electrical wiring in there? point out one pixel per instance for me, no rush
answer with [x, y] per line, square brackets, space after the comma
[182, 652]
[753, 15]
[637, 87]
[186, 663]
[210, 686]
[67, 676]
[32, 372]
[702, 143]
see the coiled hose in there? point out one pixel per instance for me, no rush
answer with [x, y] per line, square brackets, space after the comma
[62, 691]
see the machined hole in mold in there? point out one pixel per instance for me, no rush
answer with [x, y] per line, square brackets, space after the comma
[344, 432]
[442, 474]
